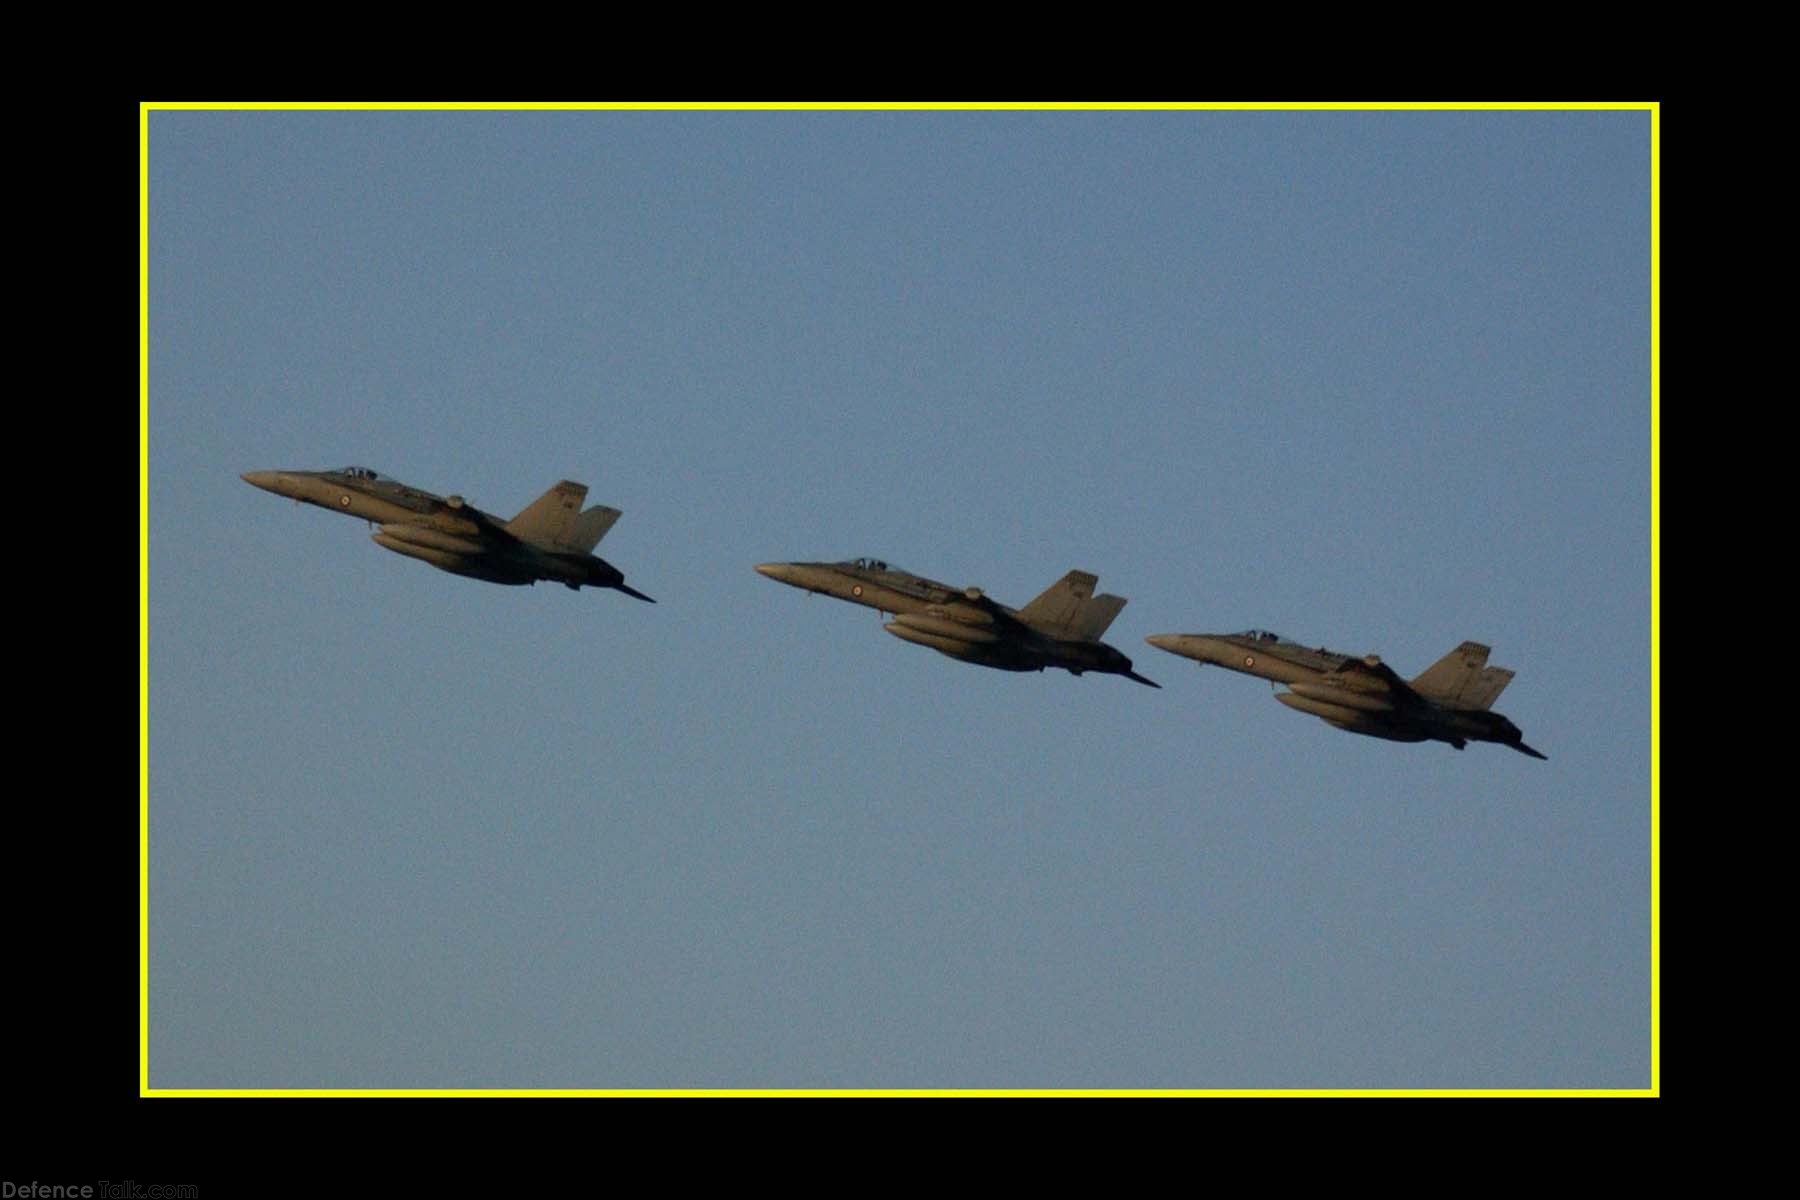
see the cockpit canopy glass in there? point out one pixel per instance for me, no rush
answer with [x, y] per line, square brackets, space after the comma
[359, 473]
[1259, 635]
[869, 564]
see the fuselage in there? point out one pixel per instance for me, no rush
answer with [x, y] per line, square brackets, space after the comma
[1253, 652]
[866, 581]
[959, 622]
[1355, 694]
[359, 492]
[444, 531]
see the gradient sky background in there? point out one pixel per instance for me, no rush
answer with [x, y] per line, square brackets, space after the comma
[1376, 381]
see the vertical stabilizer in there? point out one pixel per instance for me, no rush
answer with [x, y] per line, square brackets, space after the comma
[551, 517]
[591, 526]
[1095, 616]
[1486, 687]
[1059, 604]
[1461, 679]
[1069, 609]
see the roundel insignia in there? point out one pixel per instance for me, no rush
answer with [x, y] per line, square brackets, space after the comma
[1249, 660]
[856, 589]
[344, 500]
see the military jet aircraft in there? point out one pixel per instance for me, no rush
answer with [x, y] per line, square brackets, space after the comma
[1061, 628]
[1448, 703]
[552, 539]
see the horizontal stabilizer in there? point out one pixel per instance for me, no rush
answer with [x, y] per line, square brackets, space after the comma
[550, 519]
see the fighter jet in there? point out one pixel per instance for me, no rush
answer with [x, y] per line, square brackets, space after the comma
[1061, 628]
[551, 539]
[1448, 703]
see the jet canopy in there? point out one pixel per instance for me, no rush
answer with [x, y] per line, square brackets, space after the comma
[1262, 635]
[359, 473]
[870, 564]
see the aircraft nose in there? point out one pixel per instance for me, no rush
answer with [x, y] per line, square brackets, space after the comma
[777, 570]
[263, 479]
[1188, 645]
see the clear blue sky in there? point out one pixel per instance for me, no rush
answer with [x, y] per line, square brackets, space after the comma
[1376, 381]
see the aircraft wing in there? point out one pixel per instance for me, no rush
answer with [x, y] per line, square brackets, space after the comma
[454, 515]
[974, 607]
[1372, 675]
[487, 525]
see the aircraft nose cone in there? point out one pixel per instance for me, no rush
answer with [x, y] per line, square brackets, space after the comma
[262, 479]
[1188, 645]
[776, 570]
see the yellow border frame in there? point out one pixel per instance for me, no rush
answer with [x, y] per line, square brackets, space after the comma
[143, 587]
